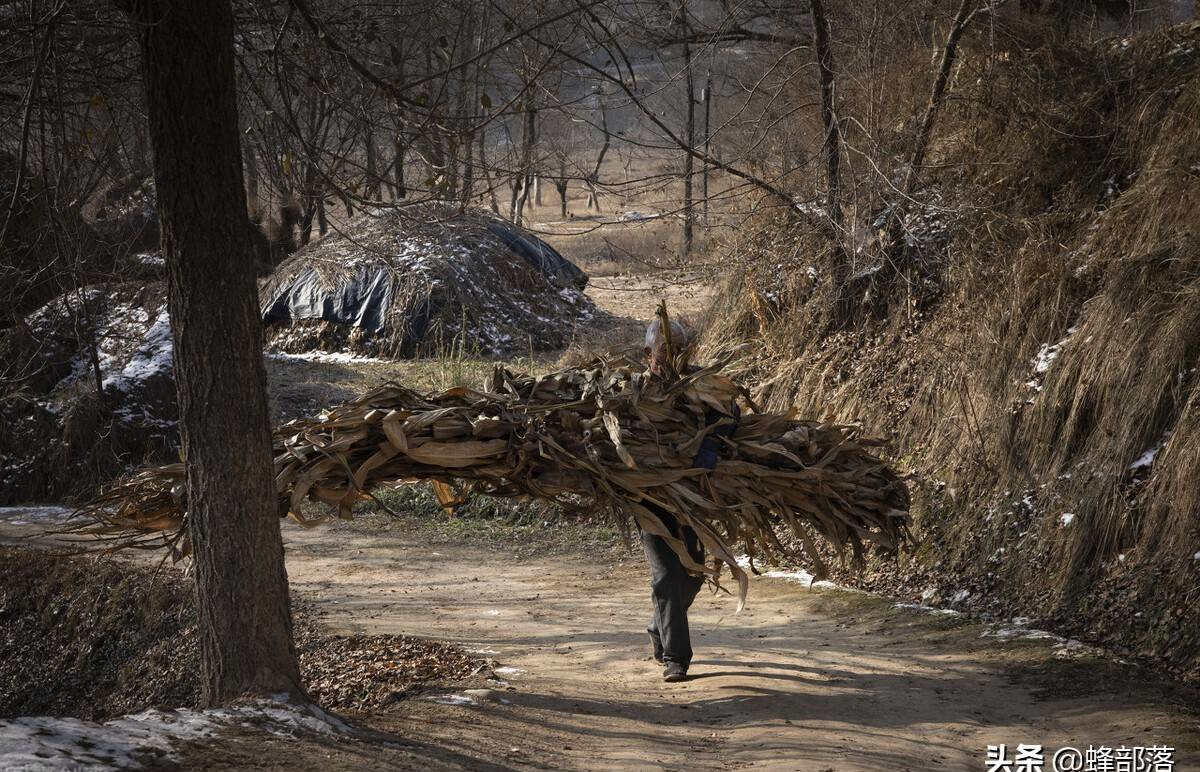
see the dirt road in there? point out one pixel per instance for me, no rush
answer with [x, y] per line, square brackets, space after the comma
[801, 680]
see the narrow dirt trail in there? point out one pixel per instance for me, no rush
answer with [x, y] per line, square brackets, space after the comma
[792, 682]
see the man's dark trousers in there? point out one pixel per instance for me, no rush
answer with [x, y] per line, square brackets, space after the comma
[672, 589]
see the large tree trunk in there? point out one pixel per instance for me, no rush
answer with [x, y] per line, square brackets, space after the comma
[244, 617]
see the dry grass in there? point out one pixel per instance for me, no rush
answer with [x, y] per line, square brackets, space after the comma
[1032, 360]
[602, 247]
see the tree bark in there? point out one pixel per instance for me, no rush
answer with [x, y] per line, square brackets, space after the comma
[373, 187]
[689, 162]
[831, 148]
[560, 184]
[708, 84]
[593, 179]
[895, 228]
[244, 615]
[400, 150]
[487, 174]
[938, 95]
[528, 139]
[832, 143]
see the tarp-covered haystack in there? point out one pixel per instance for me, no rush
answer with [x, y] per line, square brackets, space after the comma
[606, 437]
[410, 280]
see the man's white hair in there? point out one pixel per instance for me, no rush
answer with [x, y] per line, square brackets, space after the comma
[681, 335]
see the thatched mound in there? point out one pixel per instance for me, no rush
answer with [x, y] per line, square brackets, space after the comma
[419, 280]
[603, 438]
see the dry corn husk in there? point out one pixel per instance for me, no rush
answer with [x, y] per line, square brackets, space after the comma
[605, 437]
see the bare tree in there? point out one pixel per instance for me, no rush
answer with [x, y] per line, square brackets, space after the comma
[895, 228]
[831, 146]
[689, 133]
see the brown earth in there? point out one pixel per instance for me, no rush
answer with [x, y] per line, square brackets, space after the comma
[802, 679]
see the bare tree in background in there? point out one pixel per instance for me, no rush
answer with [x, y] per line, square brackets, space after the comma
[689, 133]
[831, 147]
[244, 615]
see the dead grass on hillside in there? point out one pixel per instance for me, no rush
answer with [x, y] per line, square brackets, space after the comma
[1040, 370]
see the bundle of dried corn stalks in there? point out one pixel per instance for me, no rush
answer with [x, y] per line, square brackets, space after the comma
[606, 437]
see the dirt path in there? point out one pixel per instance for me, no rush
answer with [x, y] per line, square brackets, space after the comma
[637, 297]
[801, 680]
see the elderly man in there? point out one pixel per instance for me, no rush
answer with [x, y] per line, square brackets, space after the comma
[672, 587]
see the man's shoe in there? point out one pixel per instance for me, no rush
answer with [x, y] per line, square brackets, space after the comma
[674, 672]
[656, 647]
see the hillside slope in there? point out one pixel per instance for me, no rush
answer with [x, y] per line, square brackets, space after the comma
[1035, 361]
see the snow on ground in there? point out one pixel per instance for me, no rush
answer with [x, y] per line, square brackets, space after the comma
[508, 671]
[451, 699]
[1045, 357]
[336, 357]
[1013, 629]
[130, 742]
[927, 609]
[801, 576]
[35, 515]
[1148, 456]
[153, 356]
[1018, 629]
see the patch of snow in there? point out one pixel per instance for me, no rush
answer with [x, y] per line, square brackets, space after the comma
[508, 671]
[1149, 454]
[1045, 357]
[153, 259]
[801, 576]
[960, 596]
[35, 515]
[336, 357]
[1018, 633]
[152, 357]
[1066, 518]
[451, 699]
[927, 609]
[1196, 556]
[50, 743]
